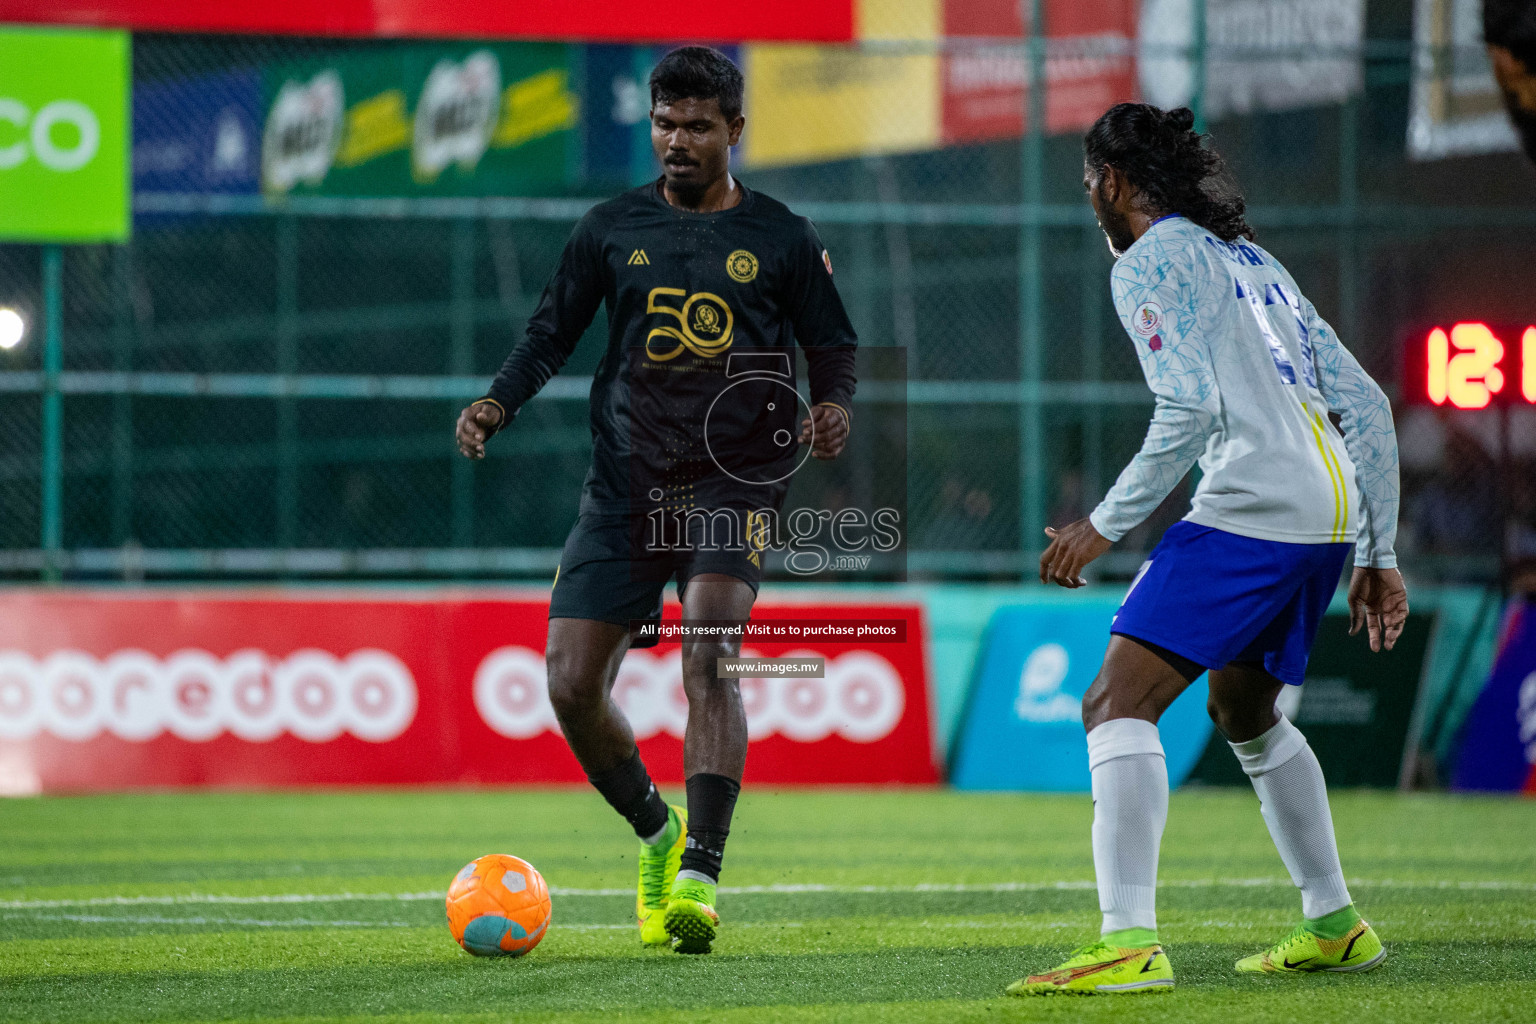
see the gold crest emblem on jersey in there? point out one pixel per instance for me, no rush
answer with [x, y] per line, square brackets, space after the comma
[741, 265]
[706, 320]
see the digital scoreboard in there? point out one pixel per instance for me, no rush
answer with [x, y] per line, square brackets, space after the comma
[1472, 365]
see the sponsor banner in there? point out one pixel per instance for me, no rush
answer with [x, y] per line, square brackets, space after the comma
[945, 72]
[1023, 725]
[986, 73]
[102, 692]
[198, 134]
[468, 119]
[1498, 746]
[1455, 107]
[63, 135]
[1355, 707]
[616, 134]
[807, 104]
[616, 127]
[1261, 54]
[607, 20]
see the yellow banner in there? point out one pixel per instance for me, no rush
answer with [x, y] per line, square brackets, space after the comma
[808, 104]
[887, 20]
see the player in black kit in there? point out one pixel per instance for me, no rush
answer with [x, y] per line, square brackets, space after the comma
[696, 429]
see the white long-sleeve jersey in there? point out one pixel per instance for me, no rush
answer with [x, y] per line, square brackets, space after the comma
[1245, 373]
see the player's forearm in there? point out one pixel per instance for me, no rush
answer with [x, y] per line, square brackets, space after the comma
[1371, 441]
[1175, 441]
[525, 371]
[830, 369]
[1365, 416]
[565, 310]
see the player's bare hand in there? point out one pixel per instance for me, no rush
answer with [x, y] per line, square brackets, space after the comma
[826, 431]
[1072, 548]
[1378, 600]
[476, 424]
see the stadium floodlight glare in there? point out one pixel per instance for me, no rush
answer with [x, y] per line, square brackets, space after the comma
[12, 328]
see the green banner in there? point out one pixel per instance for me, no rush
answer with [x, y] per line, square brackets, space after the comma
[466, 119]
[63, 135]
[1354, 707]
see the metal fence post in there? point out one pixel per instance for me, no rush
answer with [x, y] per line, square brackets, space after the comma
[461, 358]
[287, 364]
[1349, 226]
[1197, 49]
[53, 413]
[1092, 287]
[1031, 295]
[123, 338]
[1197, 61]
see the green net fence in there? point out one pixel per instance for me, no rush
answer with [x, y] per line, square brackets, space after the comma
[254, 388]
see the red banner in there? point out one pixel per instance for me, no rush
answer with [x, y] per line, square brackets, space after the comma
[594, 20]
[986, 76]
[111, 691]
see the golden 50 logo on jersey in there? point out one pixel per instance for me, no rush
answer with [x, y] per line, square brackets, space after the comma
[703, 324]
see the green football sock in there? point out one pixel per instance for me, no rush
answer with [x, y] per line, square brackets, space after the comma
[1335, 925]
[1131, 938]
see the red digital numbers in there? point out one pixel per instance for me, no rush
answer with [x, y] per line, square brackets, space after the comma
[1528, 365]
[1472, 366]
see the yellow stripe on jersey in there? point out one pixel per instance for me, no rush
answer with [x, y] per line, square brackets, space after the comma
[1333, 474]
[1343, 485]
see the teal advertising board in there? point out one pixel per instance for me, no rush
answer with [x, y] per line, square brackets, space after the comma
[64, 99]
[1023, 724]
[423, 120]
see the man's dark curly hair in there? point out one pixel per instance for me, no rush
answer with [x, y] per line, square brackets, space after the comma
[698, 73]
[1512, 25]
[1162, 155]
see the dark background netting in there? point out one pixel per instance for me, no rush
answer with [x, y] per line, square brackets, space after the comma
[927, 249]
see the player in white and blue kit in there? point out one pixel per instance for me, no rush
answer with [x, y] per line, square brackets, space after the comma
[1247, 378]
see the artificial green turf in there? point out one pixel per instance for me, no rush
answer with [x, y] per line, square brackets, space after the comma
[159, 907]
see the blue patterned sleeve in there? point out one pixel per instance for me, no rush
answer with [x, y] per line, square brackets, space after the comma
[1369, 437]
[1157, 297]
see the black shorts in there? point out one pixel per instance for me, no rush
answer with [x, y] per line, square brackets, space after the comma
[614, 568]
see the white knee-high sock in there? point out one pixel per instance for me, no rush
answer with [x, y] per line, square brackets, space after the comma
[1294, 801]
[1130, 808]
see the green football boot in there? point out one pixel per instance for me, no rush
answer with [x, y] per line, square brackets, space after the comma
[658, 870]
[1101, 969]
[1304, 952]
[691, 918]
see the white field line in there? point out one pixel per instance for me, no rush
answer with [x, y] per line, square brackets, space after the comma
[750, 890]
[960, 925]
[296, 922]
[631, 926]
[300, 922]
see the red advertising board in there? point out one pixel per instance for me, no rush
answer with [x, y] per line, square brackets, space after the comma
[595, 20]
[102, 691]
[985, 76]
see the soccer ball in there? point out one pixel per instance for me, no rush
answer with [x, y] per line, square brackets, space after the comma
[498, 906]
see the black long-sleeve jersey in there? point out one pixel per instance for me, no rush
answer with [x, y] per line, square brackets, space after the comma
[694, 403]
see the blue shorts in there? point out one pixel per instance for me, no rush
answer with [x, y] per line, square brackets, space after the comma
[1216, 598]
